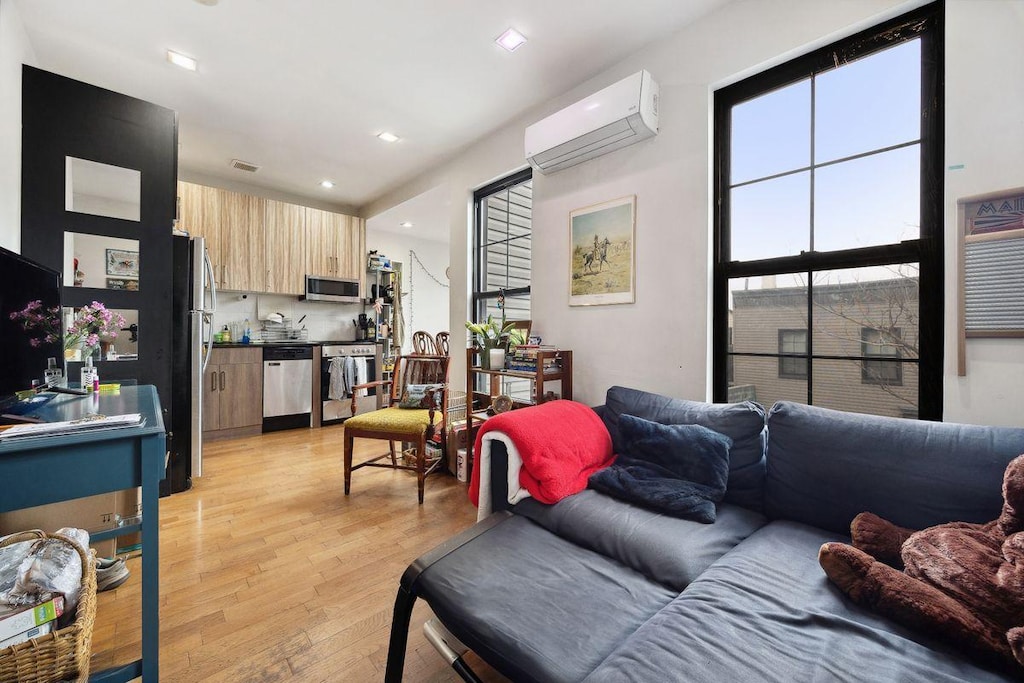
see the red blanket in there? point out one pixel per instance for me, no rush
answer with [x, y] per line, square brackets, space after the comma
[561, 443]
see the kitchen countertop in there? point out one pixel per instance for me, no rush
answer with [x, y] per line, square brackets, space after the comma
[291, 342]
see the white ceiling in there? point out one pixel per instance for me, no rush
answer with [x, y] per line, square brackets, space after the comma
[302, 87]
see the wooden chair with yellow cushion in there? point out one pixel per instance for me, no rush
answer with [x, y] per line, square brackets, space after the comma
[420, 383]
[443, 342]
[423, 343]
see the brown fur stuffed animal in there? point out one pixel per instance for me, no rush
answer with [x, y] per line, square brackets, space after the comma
[963, 582]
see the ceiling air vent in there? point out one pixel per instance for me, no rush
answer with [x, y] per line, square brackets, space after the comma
[244, 166]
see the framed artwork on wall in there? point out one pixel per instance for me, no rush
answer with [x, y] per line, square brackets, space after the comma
[122, 262]
[991, 265]
[602, 253]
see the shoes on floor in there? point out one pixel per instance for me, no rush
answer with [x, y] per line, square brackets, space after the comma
[110, 573]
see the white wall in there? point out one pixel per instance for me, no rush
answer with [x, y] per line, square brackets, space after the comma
[424, 301]
[661, 343]
[14, 51]
[985, 133]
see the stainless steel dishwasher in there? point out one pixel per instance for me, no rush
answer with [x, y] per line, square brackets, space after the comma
[287, 387]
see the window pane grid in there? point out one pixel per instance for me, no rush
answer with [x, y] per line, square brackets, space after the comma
[862, 153]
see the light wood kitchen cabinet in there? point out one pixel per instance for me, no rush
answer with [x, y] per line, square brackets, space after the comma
[285, 239]
[232, 224]
[353, 252]
[233, 393]
[241, 233]
[264, 245]
[336, 244]
[200, 214]
[324, 231]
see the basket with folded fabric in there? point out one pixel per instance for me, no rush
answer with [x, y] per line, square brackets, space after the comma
[63, 654]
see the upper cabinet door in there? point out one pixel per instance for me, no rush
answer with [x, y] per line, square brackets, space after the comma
[352, 253]
[201, 217]
[242, 241]
[285, 227]
[319, 255]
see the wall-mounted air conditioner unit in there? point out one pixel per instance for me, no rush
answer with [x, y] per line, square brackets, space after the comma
[615, 117]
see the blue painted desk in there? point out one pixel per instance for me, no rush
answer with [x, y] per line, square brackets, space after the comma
[57, 468]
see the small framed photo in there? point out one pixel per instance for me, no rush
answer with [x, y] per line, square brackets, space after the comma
[602, 262]
[122, 283]
[123, 262]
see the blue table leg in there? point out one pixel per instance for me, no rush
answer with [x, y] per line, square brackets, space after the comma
[152, 470]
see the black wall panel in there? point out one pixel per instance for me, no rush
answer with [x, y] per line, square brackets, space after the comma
[63, 117]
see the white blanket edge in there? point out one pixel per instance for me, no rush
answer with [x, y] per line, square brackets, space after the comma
[516, 492]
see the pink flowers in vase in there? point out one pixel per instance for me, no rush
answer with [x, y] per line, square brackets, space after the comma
[91, 324]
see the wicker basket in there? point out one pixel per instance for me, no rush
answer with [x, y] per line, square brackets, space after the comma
[61, 655]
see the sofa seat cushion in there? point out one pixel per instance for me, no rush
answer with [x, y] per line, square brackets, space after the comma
[537, 607]
[668, 550]
[744, 423]
[766, 612]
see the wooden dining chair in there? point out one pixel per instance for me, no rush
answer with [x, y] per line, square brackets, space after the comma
[423, 343]
[442, 341]
[418, 406]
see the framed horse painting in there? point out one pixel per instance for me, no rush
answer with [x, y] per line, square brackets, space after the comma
[602, 263]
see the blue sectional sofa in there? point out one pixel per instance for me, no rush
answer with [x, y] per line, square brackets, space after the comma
[594, 589]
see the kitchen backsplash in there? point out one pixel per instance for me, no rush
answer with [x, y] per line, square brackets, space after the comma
[323, 320]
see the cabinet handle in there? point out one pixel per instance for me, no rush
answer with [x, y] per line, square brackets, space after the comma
[224, 274]
[222, 380]
[213, 382]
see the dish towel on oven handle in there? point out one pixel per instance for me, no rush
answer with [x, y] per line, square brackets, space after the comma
[337, 388]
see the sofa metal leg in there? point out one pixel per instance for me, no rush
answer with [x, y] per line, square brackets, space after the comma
[451, 648]
[399, 635]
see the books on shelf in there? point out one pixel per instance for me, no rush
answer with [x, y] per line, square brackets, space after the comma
[90, 423]
[526, 357]
[16, 622]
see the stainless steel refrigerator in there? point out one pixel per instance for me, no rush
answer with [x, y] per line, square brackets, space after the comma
[193, 303]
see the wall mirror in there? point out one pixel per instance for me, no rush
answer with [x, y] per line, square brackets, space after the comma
[101, 262]
[125, 346]
[101, 189]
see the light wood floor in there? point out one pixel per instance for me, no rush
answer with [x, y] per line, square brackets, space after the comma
[268, 572]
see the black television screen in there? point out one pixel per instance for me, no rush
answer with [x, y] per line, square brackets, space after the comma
[30, 324]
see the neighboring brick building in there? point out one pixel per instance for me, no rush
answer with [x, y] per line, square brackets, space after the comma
[859, 328]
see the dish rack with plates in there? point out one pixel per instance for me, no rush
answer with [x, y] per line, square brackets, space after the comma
[282, 332]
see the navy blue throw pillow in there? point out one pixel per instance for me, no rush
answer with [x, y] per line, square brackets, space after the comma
[681, 470]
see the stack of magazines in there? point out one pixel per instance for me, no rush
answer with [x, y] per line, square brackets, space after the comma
[90, 423]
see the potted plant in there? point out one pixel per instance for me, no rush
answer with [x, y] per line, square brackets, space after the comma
[494, 334]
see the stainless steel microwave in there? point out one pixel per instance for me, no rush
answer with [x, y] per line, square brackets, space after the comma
[337, 289]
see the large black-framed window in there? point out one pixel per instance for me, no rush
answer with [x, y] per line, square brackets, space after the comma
[502, 260]
[502, 247]
[828, 218]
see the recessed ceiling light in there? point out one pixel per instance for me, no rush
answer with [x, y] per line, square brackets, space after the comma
[406, 224]
[511, 39]
[181, 60]
[326, 184]
[388, 137]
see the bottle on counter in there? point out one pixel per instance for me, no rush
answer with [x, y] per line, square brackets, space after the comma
[247, 334]
[53, 376]
[90, 380]
[225, 334]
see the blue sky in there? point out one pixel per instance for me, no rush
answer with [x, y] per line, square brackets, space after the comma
[868, 104]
